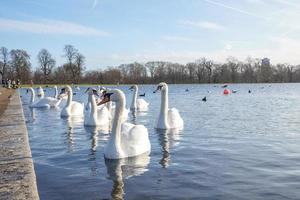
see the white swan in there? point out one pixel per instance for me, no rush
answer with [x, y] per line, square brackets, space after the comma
[40, 92]
[168, 118]
[137, 104]
[40, 103]
[112, 107]
[126, 140]
[72, 108]
[95, 116]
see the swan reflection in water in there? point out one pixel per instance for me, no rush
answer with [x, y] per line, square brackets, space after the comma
[31, 116]
[135, 114]
[72, 122]
[120, 169]
[167, 138]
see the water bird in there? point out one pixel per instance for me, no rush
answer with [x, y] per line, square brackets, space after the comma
[225, 86]
[72, 108]
[95, 116]
[204, 99]
[249, 91]
[126, 139]
[137, 104]
[187, 90]
[40, 92]
[45, 101]
[234, 91]
[168, 118]
[142, 95]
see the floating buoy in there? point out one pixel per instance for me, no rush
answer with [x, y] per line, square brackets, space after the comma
[226, 91]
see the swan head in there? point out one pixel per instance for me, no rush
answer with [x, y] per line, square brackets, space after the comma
[161, 86]
[64, 91]
[92, 91]
[133, 87]
[115, 95]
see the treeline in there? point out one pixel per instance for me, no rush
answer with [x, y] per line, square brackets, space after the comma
[15, 64]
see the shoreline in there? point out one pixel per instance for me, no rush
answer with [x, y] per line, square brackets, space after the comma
[17, 180]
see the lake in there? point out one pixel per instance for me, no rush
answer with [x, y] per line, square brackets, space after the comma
[239, 146]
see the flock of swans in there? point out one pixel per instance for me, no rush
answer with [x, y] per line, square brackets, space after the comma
[108, 106]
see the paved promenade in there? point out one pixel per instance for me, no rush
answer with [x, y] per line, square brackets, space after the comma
[17, 176]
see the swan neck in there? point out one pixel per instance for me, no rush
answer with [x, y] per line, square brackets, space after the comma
[164, 102]
[116, 127]
[55, 93]
[32, 95]
[70, 97]
[133, 103]
[93, 104]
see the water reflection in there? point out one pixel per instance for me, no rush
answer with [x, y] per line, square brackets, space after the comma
[167, 138]
[120, 169]
[31, 116]
[72, 122]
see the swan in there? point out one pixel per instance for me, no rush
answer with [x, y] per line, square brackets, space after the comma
[126, 139]
[168, 118]
[95, 116]
[40, 103]
[137, 104]
[111, 108]
[40, 92]
[72, 108]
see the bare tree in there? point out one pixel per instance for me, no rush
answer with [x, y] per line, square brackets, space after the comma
[20, 63]
[46, 62]
[4, 54]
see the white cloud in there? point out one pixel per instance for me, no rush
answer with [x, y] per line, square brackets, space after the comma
[178, 38]
[279, 50]
[49, 27]
[202, 24]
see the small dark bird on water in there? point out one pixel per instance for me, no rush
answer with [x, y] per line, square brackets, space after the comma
[142, 95]
[224, 86]
[204, 99]
[187, 90]
[249, 91]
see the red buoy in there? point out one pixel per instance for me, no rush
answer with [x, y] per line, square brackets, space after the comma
[226, 91]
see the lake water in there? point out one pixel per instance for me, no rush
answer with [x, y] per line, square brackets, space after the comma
[240, 146]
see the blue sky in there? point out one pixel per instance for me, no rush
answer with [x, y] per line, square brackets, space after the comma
[111, 32]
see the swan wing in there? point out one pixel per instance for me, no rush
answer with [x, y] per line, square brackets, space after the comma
[77, 108]
[103, 115]
[134, 139]
[174, 119]
[142, 104]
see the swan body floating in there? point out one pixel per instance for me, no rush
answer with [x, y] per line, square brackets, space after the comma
[45, 102]
[95, 116]
[72, 108]
[126, 139]
[138, 104]
[40, 92]
[42, 103]
[168, 118]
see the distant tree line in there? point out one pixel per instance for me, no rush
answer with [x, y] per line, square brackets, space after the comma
[15, 64]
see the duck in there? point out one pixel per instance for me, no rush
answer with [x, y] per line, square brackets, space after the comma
[137, 104]
[72, 108]
[168, 118]
[126, 139]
